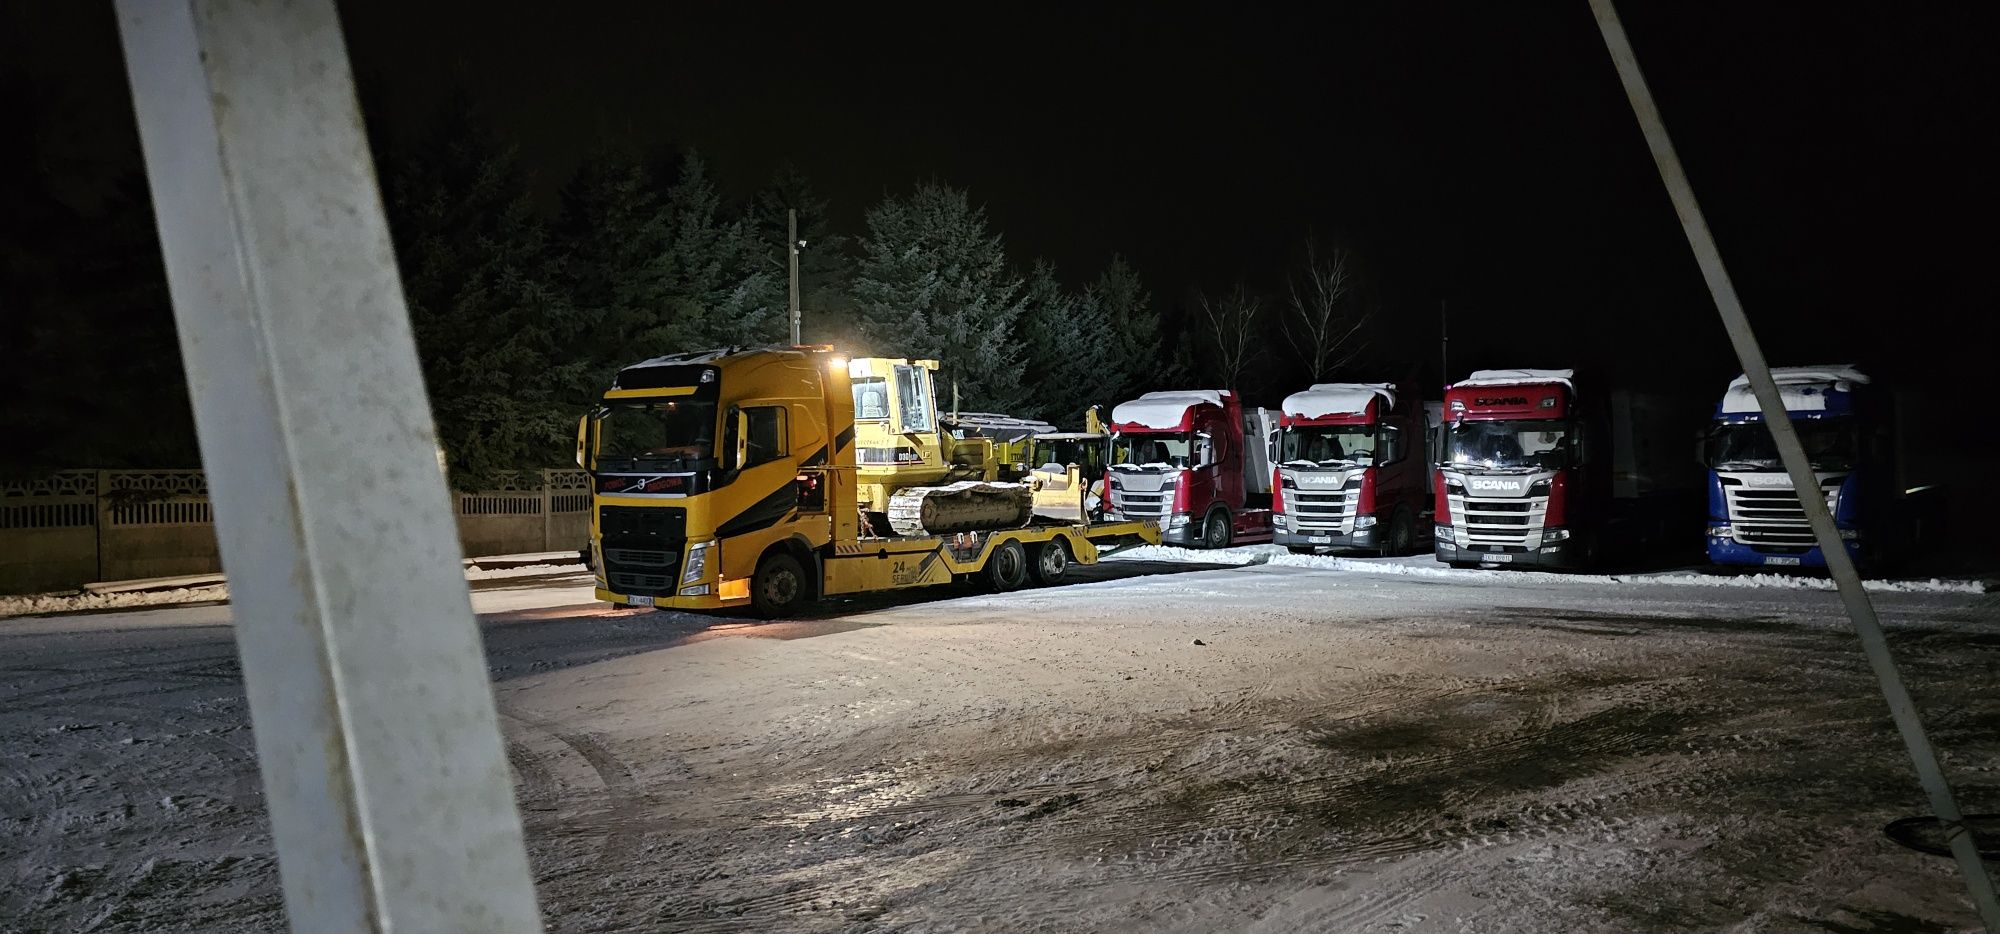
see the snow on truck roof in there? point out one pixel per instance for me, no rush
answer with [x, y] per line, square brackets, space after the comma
[1163, 410]
[1517, 378]
[1325, 399]
[1803, 388]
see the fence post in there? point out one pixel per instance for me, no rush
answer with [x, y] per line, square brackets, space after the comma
[548, 509]
[103, 516]
[386, 778]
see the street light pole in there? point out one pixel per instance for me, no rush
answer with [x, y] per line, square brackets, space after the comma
[792, 248]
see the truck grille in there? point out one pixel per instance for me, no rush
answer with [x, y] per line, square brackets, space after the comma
[642, 584]
[1322, 510]
[1771, 518]
[1498, 524]
[642, 547]
[1143, 505]
[1155, 505]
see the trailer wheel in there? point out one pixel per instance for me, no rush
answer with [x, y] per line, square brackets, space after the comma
[1007, 568]
[1216, 529]
[778, 588]
[1051, 563]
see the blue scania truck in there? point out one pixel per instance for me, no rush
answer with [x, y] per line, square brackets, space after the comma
[1755, 517]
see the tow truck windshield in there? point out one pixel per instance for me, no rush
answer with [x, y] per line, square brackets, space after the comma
[675, 434]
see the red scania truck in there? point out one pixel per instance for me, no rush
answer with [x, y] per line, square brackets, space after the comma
[1354, 469]
[1195, 461]
[1535, 473]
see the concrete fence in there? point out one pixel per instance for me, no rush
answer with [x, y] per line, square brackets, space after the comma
[71, 528]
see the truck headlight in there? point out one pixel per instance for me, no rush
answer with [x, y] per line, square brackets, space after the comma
[1442, 533]
[697, 561]
[1552, 536]
[1177, 521]
[1848, 535]
[1718, 531]
[1364, 522]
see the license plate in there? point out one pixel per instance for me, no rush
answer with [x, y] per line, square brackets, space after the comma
[1782, 561]
[1501, 559]
[1321, 539]
[642, 601]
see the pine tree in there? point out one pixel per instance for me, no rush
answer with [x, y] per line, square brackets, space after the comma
[1066, 344]
[615, 231]
[1132, 347]
[933, 283]
[720, 278]
[494, 332]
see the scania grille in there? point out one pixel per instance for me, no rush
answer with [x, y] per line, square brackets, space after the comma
[1316, 510]
[1142, 505]
[1505, 523]
[1770, 518]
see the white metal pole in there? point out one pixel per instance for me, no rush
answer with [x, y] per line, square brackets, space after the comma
[1908, 721]
[390, 797]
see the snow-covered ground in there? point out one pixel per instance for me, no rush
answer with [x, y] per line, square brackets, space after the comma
[1426, 566]
[1272, 746]
[182, 591]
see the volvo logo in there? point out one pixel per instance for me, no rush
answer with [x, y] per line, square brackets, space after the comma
[1483, 484]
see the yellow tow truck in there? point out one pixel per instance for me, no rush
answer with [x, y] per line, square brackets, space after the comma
[735, 479]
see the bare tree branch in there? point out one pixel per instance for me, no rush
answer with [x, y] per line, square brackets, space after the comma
[1323, 325]
[1231, 326]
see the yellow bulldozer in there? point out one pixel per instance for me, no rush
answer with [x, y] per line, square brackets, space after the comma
[915, 476]
[1066, 469]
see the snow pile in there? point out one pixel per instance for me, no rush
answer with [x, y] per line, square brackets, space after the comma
[1803, 388]
[130, 596]
[1517, 378]
[36, 604]
[1425, 567]
[477, 573]
[1163, 411]
[1325, 399]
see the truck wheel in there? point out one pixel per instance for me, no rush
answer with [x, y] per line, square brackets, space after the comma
[1051, 563]
[1007, 568]
[1402, 535]
[779, 587]
[1216, 530]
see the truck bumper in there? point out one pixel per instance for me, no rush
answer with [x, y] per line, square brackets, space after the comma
[1187, 536]
[1327, 539]
[1559, 555]
[707, 601]
[1730, 552]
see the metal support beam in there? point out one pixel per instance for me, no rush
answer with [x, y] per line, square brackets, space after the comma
[391, 802]
[1859, 609]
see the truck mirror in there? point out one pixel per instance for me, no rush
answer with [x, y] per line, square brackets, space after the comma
[582, 437]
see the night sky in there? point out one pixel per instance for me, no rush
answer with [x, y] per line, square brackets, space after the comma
[1479, 154]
